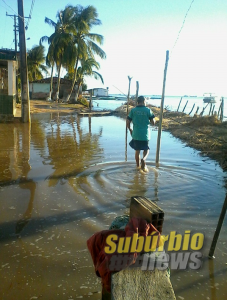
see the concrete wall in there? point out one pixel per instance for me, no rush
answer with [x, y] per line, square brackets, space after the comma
[7, 106]
[8, 101]
[39, 90]
[42, 90]
[12, 66]
[41, 87]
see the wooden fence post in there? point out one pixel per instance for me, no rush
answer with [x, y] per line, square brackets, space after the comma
[179, 103]
[192, 108]
[185, 106]
[219, 110]
[210, 108]
[126, 129]
[203, 110]
[137, 90]
[197, 110]
[129, 84]
[213, 110]
[218, 229]
[161, 109]
[222, 109]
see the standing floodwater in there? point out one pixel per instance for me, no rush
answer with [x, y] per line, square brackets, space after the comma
[64, 178]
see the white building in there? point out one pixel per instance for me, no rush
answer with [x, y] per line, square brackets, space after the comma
[99, 92]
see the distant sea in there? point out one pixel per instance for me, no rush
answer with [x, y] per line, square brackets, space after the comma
[170, 102]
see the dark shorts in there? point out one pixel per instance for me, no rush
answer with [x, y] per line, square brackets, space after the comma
[139, 145]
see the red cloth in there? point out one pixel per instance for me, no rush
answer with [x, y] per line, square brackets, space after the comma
[97, 242]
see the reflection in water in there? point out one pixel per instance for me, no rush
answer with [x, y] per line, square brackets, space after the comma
[24, 182]
[141, 182]
[67, 177]
[156, 185]
[21, 223]
[70, 153]
[16, 156]
[212, 281]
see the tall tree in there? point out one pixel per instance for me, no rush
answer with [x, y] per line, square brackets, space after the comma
[72, 42]
[86, 42]
[61, 46]
[49, 61]
[36, 59]
[87, 69]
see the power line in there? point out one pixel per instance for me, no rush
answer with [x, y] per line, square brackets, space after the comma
[11, 45]
[182, 26]
[14, 11]
[9, 6]
[4, 31]
[30, 14]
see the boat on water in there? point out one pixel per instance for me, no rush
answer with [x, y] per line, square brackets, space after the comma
[106, 98]
[155, 97]
[210, 98]
[188, 96]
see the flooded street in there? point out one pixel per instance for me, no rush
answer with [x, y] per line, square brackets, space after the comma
[67, 177]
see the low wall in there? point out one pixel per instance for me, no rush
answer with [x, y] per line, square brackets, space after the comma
[7, 105]
[39, 95]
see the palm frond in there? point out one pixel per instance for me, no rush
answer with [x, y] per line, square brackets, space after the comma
[44, 38]
[50, 22]
[72, 44]
[96, 49]
[98, 76]
[95, 37]
[44, 69]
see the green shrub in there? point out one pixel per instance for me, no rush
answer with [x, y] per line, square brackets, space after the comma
[83, 101]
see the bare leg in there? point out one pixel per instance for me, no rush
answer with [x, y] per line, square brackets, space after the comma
[143, 164]
[137, 157]
[145, 154]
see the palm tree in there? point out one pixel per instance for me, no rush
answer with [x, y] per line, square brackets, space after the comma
[86, 43]
[49, 58]
[61, 47]
[86, 69]
[36, 58]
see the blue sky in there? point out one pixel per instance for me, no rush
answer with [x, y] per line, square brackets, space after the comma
[137, 34]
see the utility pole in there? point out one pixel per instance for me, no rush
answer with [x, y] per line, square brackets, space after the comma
[15, 38]
[25, 103]
[15, 32]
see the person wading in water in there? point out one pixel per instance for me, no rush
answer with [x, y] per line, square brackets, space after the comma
[140, 116]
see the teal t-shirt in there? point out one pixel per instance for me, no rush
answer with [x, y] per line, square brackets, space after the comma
[140, 117]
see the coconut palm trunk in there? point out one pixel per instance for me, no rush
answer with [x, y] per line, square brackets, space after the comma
[77, 92]
[74, 81]
[51, 81]
[58, 85]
